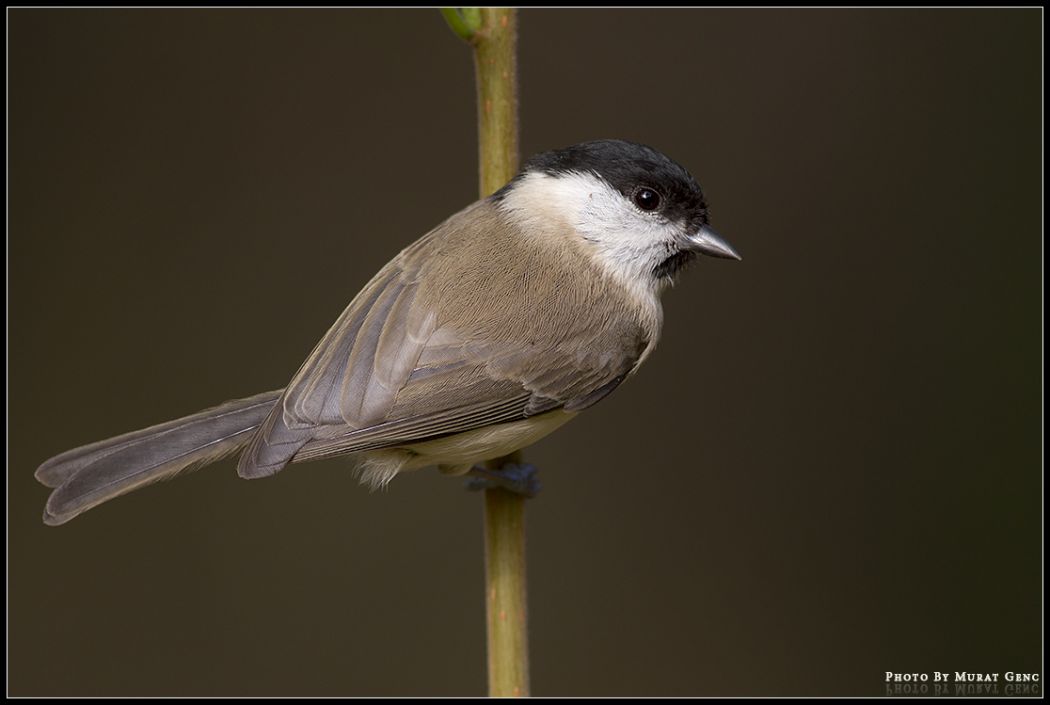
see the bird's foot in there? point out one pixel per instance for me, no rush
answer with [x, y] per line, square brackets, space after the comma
[519, 479]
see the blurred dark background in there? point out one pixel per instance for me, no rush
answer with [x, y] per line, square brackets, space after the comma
[829, 469]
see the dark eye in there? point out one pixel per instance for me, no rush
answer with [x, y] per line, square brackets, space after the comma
[647, 199]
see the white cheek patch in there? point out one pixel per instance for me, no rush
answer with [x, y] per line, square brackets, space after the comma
[626, 242]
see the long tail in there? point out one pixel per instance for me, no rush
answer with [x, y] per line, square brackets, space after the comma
[90, 475]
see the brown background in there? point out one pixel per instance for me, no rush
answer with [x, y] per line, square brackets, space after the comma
[829, 469]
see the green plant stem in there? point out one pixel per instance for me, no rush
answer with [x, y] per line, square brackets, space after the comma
[493, 32]
[496, 70]
[505, 595]
[464, 21]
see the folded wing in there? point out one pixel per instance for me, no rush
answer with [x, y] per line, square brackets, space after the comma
[437, 344]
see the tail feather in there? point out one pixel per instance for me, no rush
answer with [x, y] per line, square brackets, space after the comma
[90, 475]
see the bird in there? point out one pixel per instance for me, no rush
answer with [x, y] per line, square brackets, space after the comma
[483, 336]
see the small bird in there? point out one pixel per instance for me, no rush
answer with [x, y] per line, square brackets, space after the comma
[478, 339]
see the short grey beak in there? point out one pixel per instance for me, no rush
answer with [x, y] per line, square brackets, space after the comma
[708, 242]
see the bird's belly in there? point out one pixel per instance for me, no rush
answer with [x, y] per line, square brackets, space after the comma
[485, 443]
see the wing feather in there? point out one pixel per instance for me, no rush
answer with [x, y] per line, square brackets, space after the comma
[312, 399]
[433, 346]
[360, 368]
[413, 430]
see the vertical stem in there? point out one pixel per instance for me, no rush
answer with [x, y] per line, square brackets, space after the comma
[496, 68]
[506, 609]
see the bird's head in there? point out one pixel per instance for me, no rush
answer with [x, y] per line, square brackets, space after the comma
[635, 210]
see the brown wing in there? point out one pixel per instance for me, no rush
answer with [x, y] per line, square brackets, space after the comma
[448, 337]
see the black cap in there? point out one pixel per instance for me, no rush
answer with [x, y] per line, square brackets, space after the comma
[627, 167]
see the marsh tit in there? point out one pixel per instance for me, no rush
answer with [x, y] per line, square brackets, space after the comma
[480, 338]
